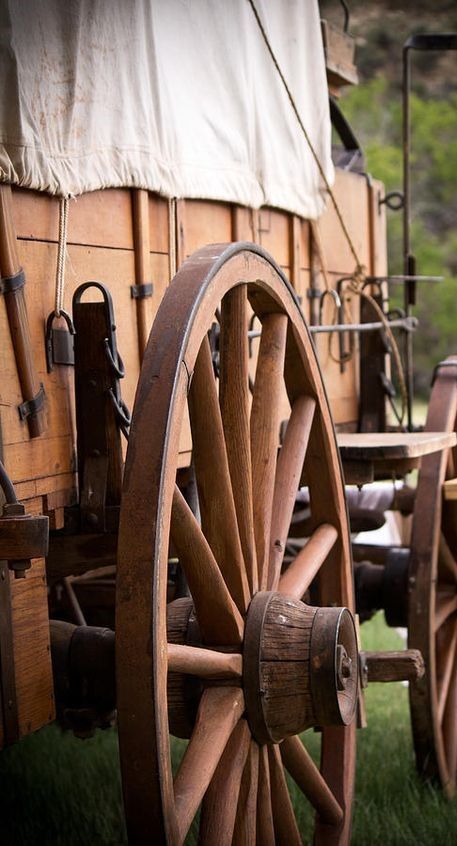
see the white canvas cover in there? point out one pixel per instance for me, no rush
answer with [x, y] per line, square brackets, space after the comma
[177, 96]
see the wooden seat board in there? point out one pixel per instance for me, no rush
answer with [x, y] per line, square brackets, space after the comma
[379, 446]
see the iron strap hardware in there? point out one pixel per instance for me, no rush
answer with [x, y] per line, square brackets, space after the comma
[141, 292]
[59, 342]
[440, 365]
[9, 284]
[32, 406]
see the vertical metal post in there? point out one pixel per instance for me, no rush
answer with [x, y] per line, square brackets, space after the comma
[409, 261]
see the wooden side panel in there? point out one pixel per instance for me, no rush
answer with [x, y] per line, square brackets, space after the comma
[378, 229]
[205, 223]
[100, 246]
[32, 657]
[52, 454]
[350, 190]
[101, 218]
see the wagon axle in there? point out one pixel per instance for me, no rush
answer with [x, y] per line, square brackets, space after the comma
[300, 668]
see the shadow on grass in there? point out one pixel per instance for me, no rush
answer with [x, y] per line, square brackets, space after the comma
[56, 790]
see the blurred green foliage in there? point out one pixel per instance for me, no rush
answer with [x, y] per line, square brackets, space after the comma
[374, 110]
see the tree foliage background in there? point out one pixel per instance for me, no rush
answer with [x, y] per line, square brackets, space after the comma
[374, 110]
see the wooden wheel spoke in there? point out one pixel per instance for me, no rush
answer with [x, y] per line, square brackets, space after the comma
[234, 402]
[215, 495]
[288, 472]
[299, 575]
[219, 806]
[449, 726]
[265, 422]
[446, 561]
[218, 713]
[447, 647]
[219, 619]
[307, 776]
[446, 604]
[205, 663]
[285, 824]
[265, 828]
[246, 816]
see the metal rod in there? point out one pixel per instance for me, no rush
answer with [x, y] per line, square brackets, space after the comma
[404, 278]
[6, 485]
[409, 324]
[408, 259]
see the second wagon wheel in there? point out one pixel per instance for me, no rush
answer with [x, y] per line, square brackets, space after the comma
[248, 664]
[432, 625]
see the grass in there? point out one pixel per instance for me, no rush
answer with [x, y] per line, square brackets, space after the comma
[56, 790]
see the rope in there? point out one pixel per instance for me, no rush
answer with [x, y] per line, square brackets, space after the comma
[359, 266]
[359, 276]
[61, 253]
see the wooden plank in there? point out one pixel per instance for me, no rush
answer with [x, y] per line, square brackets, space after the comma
[158, 223]
[52, 454]
[99, 218]
[23, 461]
[379, 446]
[244, 224]
[206, 223]
[274, 235]
[350, 190]
[378, 229]
[140, 210]
[32, 657]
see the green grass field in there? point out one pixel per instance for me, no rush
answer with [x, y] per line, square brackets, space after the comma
[56, 790]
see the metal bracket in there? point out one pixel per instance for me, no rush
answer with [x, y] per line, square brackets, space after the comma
[141, 292]
[32, 406]
[100, 411]
[9, 284]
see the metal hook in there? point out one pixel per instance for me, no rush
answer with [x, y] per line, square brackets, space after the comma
[116, 366]
[335, 297]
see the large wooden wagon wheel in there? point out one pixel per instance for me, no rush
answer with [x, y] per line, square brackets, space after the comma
[432, 625]
[253, 665]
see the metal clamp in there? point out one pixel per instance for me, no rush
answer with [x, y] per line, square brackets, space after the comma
[141, 292]
[9, 284]
[32, 406]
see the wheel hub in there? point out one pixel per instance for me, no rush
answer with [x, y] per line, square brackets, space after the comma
[300, 666]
